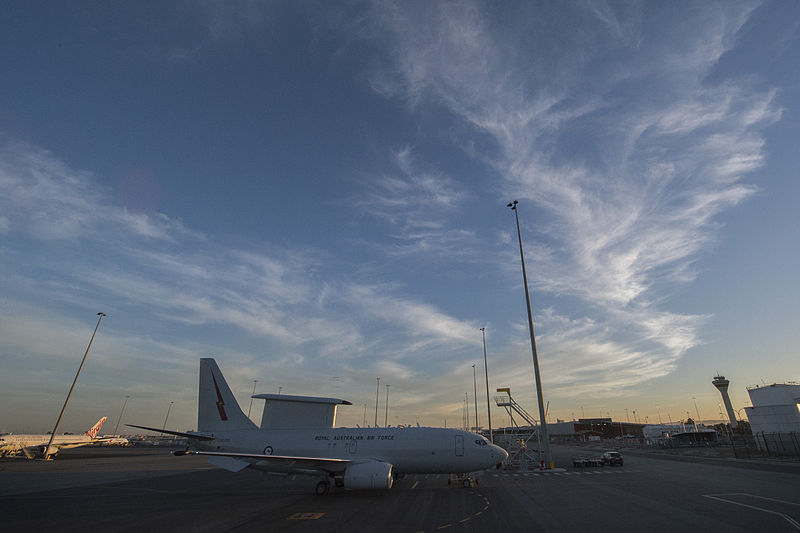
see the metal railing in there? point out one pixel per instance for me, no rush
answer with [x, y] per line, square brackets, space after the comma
[521, 453]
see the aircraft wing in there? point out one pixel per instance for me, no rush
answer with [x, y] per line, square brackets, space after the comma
[32, 452]
[189, 435]
[70, 445]
[285, 464]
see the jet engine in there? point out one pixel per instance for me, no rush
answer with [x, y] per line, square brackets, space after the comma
[369, 475]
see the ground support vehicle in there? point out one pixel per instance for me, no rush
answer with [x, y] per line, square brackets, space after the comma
[584, 462]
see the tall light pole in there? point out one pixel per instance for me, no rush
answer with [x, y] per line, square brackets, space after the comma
[251, 398]
[120, 415]
[695, 407]
[166, 417]
[466, 411]
[386, 414]
[486, 368]
[46, 454]
[475, 390]
[377, 392]
[548, 456]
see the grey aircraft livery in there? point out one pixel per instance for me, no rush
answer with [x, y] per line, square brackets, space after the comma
[297, 436]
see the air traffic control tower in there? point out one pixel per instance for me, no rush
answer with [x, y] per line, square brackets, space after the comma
[722, 384]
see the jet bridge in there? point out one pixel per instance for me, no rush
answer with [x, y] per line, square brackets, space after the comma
[519, 439]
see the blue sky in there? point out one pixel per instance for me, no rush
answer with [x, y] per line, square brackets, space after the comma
[315, 195]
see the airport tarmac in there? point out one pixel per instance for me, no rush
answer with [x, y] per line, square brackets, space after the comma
[139, 489]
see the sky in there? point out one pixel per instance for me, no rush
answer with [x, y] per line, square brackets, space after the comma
[315, 194]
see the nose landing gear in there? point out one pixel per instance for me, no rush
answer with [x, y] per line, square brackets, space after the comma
[465, 480]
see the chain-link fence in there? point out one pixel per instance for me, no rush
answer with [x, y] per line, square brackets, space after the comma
[767, 445]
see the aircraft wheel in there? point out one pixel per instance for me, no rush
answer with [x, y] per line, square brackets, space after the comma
[466, 483]
[322, 488]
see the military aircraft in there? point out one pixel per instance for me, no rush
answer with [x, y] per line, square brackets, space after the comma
[33, 446]
[297, 436]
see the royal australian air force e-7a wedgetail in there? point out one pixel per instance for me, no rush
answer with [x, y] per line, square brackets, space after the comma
[297, 437]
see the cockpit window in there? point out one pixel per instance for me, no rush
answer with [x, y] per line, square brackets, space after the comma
[481, 442]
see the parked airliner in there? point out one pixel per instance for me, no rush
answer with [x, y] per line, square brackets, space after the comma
[297, 437]
[33, 445]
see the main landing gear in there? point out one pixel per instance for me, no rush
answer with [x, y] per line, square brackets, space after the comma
[322, 488]
[326, 484]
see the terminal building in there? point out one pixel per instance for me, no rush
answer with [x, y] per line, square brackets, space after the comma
[593, 429]
[598, 429]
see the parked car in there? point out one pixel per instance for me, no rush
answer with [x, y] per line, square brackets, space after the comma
[612, 458]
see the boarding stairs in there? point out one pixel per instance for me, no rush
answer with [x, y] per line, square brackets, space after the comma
[521, 438]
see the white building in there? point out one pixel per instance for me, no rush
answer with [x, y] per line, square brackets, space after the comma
[776, 408]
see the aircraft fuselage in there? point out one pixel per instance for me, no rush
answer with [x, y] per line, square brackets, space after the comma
[410, 450]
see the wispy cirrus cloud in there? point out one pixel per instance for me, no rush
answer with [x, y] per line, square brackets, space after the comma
[631, 171]
[417, 203]
[425, 324]
[46, 200]
[411, 199]
[151, 261]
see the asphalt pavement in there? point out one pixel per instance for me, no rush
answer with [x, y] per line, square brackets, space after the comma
[135, 490]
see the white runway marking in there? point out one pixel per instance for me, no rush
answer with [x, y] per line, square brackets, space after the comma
[548, 474]
[786, 517]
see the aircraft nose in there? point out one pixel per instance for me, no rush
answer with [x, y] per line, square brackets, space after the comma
[500, 454]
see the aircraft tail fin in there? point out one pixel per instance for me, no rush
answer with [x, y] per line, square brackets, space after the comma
[92, 433]
[217, 407]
